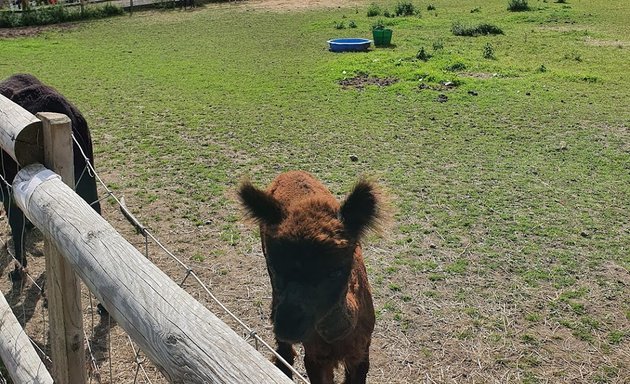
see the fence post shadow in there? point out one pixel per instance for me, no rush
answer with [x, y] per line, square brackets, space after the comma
[99, 341]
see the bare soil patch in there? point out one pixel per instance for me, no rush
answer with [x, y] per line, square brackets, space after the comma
[607, 43]
[10, 33]
[293, 5]
[362, 80]
[443, 86]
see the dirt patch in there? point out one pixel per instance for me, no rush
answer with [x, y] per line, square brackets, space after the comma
[10, 33]
[293, 5]
[606, 43]
[443, 86]
[567, 28]
[362, 80]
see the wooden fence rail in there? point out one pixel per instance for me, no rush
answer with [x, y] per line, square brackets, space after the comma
[186, 342]
[17, 352]
[20, 133]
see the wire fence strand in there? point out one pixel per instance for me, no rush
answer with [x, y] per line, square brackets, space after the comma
[250, 334]
[189, 272]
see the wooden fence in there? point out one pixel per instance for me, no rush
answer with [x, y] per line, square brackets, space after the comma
[182, 338]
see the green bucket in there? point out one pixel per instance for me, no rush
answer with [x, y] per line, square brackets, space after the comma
[382, 37]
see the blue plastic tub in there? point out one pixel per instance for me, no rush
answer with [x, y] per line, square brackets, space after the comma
[349, 45]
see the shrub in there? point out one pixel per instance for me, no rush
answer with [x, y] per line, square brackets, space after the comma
[56, 14]
[387, 14]
[561, 1]
[430, 7]
[423, 55]
[460, 29]
[488, 51]
[352, 24]
[44, 16]
[9, 19]
[340, 25]
[475, 10]
[405, 8]
[112, 10]
[518, 5]
[373, 10]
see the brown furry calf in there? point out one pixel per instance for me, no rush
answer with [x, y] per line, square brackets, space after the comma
[321, 296]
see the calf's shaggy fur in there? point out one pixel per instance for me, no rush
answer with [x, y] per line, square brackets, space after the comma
[321, 296]
[28, 92]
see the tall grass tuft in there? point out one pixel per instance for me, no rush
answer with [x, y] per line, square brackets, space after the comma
[488, 51]
[423, 55]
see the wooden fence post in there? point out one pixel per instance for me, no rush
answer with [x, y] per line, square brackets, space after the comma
[185, 341]
[63, 288]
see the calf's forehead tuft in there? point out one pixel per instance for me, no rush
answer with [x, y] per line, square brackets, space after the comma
[313, 220]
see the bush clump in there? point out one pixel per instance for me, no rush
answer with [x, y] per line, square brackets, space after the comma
[55, 14]
[518, 5]
[373, 10]
[460, 29]
[455, 67]
[405, 8]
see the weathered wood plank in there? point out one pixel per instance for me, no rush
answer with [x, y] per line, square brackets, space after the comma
[17, 352]
[184, 339]
[20, 133]
[63, 287]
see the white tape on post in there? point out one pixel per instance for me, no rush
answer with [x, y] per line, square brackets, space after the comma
[28, 187]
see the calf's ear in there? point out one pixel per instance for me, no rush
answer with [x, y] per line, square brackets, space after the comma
[259, 205]
[363, 209]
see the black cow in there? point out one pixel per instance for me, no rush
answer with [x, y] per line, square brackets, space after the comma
[27, 91]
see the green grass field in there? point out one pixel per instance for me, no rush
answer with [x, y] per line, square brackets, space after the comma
[509, 257]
